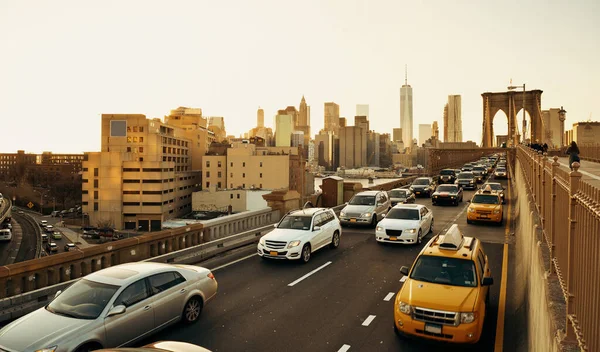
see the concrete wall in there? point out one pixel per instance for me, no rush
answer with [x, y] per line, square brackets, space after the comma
[536, 291]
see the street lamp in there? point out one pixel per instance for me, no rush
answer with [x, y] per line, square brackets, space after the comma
[562, 116]
[524, 120]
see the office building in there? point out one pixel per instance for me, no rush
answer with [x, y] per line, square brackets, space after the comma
[298, 139]
[362, 110]
[304, 121]
[362, 122]
[553, 127]
[397, 134]
[332, 117]
[197, 130]
[373, 149]
[324, 149]
[260, 118]
[435, 130]
[352, 147]
[283, 129]
[453, 120]
[142, 175]
[424, 133]
[406, 112]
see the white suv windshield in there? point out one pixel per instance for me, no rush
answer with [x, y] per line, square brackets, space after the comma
[362, 200]
[295, 222]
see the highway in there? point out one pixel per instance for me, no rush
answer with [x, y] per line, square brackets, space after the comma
[346, 304]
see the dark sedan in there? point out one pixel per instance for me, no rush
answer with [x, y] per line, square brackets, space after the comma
[401, 196]
[423, 186]
[447, 176]
[451, 194]
[466, 180]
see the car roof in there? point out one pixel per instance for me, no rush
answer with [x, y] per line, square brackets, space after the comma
[452, 244]
[124, 274]
[409, 206]
[368, 193]
[399, 189]
[307, 211]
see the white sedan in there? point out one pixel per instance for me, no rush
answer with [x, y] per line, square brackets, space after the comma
[405, 223]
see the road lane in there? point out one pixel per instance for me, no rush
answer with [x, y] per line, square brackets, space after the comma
[256, 310]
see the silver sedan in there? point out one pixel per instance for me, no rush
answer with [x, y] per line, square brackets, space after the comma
[113, 307]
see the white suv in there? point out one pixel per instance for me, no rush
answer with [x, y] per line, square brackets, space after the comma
[300, 233]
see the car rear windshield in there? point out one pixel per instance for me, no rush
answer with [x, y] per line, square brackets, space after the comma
[465, 176]
[84, 299]
[494, 186]
[452, 189]
[447, 172]
[421, 181]
[362, 200]
[443, 270]
[398, 194]
[479, 168]
[485, 199]
[295, 222]
[501, 169]
[403, 214]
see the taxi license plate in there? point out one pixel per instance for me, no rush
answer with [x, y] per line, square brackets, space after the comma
[418, 192]
[352, 220]
[433, 328]
[393, 238]
[273, 253]
[483, 217]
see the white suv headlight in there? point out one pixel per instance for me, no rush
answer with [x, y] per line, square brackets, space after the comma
[293, 244]
[404, 308]
[467, 318]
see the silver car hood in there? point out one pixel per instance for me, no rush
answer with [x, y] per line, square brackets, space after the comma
[358, 209]
[398, 224]
[40, 329]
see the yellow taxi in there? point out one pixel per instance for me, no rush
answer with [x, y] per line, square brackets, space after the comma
[446, 292]
[486, 205]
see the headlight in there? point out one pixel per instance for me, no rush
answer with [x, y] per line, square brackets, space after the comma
[471, 181]
[404, 308]
[497, 211]
[262, 241]
[452, 197]
[379, 228]
[342, 214]
[411, 230]
[434, 196]
[48, 349]
[466, 318]
[365, 215]
[471, 210]
[293, 244]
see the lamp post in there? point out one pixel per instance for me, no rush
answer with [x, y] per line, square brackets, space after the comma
[524, 120]
[562, 115]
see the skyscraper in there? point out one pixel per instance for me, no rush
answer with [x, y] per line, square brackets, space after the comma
[397, 135]
[260, 118]
[406, 111]
[424, 133]
[332, 117]
[283, 129]
[362, 110]
[304, 120]
[453, 119]
[435, 130]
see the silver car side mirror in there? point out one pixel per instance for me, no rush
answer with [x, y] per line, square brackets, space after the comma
[120, 309]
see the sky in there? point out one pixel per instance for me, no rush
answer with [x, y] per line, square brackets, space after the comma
[64, 63]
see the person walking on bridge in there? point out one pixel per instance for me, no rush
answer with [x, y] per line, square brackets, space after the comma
[573, 152]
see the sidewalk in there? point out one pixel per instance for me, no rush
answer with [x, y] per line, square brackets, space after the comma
[589, 169]
[72, 236]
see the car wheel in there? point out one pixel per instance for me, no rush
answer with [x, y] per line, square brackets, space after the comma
[433, 203]
[88, 347]
[419, 237]
[192, 310]
[469, 221]
[374, 221]
[335, 240]
[305, 255]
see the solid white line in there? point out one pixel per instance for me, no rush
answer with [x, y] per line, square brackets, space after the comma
[344, 348]
[309, 274]
[233, 262]
[368, 321]
[389, 296]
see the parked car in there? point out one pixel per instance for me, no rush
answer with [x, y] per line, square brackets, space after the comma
[366, 208]
[447, 176]
[405, 223]
[112, 307]
[423, 186]
[401, 195]
[452, 194]
[300, 233]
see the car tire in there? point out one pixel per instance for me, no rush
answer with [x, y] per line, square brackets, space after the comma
[305, 254]
[431, 227]
[433, 203]
[192, 310]
[335, 240]
[419, 237]
[88, 347]
[374, 221]
[469, 221]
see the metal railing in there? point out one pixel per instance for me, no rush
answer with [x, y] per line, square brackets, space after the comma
[570, 215]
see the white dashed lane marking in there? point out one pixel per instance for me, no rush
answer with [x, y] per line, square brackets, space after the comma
[309, 274]
[344, 348]
[389, 296]
[368, 321]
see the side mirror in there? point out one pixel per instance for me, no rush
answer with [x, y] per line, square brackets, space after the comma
[487, 281]
[57, 293]
[504, 188]
[316, 228]
[383, 215]
[275, 226]
[120, 309]
[468, 201]
[404, 270]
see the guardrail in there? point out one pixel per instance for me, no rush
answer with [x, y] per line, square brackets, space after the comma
[570, 215]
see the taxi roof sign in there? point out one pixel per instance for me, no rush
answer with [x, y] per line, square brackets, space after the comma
[452, 239]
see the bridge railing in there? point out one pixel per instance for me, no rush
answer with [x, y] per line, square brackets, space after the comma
[570, 214]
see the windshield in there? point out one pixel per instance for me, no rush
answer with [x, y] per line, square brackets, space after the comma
[295, 222]
[494, 186]
[501, 169]
[465, 176]
[446, 172]
[403, 214]
[83, 300]
[443, 270]
[451, 189]
[485, 199]
[362, 200]
[421, 181]
[398, 194]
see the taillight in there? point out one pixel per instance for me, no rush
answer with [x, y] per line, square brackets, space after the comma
[211, 276]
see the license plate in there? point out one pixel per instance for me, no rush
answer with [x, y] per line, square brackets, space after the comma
[433, 328]
[483, 217]
[273, 253]
[352, 220]
[393, 238]
[418, 192]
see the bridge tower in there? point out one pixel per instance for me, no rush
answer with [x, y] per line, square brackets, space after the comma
[511, 103]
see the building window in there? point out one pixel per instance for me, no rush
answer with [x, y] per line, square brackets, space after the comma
[207, 163]
[141, 158]
[95, 183]
[260, 185]
[231, 174]
[231, 185]
[207, 184]
[244, 185]
[244, 175]
[95, 194]
[231, 164]
[219, 185]
[218, 164]
[95, 172]
[244, 164]
[128, 139]
[135, 139]
[261, 164]
[95, 206]
[141, 139]
[238, 196]
[141, 149]
[219, 174]
[135, 128]
[231, 196]
[207, 173]
[261, 175]
[141, 130]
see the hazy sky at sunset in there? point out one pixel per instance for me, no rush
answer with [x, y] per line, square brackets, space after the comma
[63, 63]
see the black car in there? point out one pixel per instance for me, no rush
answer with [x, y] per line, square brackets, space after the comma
[423, 186]
[480, 172]
[447, 176]
[466, 180]
[452, 194]
[401, 196]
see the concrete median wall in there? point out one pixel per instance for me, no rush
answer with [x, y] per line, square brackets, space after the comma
[536, 291]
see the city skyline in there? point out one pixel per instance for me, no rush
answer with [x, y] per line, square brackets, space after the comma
[72, 62]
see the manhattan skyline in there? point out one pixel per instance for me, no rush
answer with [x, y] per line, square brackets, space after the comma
[71, 62]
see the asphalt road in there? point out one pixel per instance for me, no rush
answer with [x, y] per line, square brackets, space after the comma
[256, 308]
[51, 221]
[9, 249]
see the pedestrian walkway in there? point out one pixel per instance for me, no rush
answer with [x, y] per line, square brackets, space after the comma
[73, 236]
[589, 169]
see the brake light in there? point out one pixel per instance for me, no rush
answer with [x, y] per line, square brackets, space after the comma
[210, 275]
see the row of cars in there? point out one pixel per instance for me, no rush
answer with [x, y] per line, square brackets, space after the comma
[49, 232]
